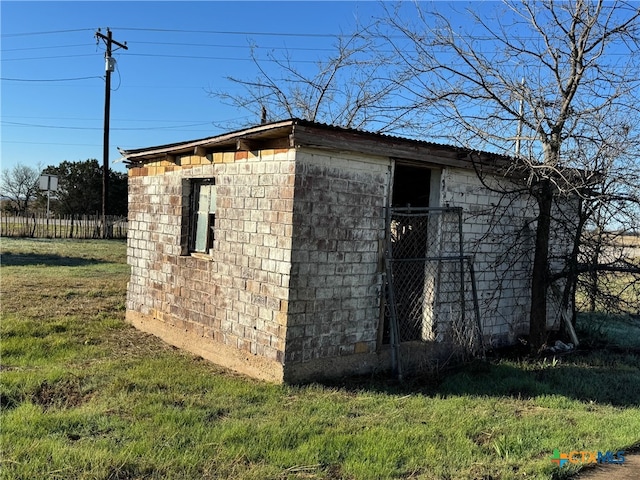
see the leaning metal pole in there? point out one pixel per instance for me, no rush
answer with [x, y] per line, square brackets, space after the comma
[476, 305]
[391, 302]
[461, 253]
[393, 324]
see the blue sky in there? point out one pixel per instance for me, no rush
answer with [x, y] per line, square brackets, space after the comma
[52, 92]
[52, 67]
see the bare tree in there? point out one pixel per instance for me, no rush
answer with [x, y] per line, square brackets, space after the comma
[349, 88]
[608, 260]
[19, 185]
[602, 269]
[555, 85]
[579, 61]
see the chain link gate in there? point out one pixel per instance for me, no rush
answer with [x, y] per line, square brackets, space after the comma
[430, 288]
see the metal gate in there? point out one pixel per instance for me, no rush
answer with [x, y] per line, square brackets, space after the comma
[431, 300]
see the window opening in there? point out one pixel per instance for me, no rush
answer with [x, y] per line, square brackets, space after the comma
[411, 186]
[203, 215]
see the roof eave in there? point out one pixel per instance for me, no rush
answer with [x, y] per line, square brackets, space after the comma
[138, 155]
[303, 133]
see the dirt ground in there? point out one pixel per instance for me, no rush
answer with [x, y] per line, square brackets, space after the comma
[629, 470]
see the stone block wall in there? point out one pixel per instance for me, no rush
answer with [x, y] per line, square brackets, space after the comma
[236, 297]
[563, 232]
[292, 286]
[498, 231]
[338, 233]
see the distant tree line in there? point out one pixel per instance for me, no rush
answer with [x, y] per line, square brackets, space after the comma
[79, 189]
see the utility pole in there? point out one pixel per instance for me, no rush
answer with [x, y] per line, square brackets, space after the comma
[109, 67]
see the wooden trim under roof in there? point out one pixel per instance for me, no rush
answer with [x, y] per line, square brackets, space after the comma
[227, 141]
[301, 133]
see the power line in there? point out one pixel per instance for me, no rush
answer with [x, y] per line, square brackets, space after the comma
[242, 59]
[44, 83]
[221, 32]
[46, 47]
[48, 79]
[91, 119]
[245, 33]
[156, 55]
[67, 127]
[224, 32]
[170, 30]
[49, 57]
[18, 142]
[50, 32]
[285, 34]
[53, 143]
[258, 47]
[196, 57]
[177, 44]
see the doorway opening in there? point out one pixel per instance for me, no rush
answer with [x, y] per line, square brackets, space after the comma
[408, 236]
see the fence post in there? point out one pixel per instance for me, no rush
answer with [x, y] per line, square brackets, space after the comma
[476, 305]
[461, 253]
[35, 224]
[393, 314]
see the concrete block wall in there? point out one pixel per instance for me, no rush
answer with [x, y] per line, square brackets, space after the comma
[497, 230]
[292, 286]
[237, 296]
[338, 232]
[563, 231]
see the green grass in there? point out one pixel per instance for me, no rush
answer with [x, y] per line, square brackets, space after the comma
[600, 330]
[85, 396]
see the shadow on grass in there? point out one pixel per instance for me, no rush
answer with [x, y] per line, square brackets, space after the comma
[600, 384]
[605, 370]
[10, 259]
[609, 377]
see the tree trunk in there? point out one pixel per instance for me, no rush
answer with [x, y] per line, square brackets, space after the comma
[539, 277]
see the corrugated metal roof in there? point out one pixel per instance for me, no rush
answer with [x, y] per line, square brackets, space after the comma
[280, 129]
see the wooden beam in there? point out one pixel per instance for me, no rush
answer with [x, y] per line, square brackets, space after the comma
[397, 148]
[282, 142]
[200, 151]
[252, 145]
[246, 145]
[381, 146]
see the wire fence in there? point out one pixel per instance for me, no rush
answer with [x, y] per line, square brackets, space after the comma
[431, 297]
[40, 225]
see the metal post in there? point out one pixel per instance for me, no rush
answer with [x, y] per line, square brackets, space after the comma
[461, 253]
[394, 334]
[393, 314]
[476, 305]
[48, 201]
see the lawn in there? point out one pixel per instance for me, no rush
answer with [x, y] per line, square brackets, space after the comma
[85, 396]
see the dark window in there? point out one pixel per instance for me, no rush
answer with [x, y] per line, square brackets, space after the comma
[202, 215]
[411, 186]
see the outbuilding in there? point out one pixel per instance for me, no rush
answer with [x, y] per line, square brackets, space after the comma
[292, 250]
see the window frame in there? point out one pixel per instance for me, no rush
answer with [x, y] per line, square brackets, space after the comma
[196, 214]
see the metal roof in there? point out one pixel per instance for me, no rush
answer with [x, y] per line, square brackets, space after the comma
[298, 133]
